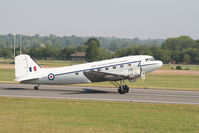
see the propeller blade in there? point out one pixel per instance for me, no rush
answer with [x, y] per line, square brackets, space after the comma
[143, 76]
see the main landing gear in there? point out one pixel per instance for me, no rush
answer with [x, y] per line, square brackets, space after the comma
[36, 87]
[122, 88]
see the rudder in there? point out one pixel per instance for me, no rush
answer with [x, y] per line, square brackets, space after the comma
[25, 66]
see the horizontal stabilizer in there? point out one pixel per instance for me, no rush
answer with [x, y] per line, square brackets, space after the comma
[26, 79]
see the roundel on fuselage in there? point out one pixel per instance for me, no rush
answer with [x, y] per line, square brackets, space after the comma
[51, 76]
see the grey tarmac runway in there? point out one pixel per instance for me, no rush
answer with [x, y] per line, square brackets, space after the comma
[100, 93]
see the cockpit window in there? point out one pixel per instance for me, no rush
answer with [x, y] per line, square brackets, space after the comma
[150, 59]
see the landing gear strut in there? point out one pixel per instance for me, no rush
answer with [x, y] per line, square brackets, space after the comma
[122, 88]
[36, 87]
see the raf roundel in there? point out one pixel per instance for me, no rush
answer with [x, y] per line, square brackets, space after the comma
[51, 76]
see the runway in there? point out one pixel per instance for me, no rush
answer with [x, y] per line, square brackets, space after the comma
[100, 93]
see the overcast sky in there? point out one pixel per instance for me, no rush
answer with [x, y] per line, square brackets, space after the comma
[119, 18]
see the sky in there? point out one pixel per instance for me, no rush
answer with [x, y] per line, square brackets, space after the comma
[119, 18]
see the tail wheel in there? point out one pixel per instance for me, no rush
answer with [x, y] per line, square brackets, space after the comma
[36, 87]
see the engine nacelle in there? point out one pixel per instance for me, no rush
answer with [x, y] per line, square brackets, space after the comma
[136, 73]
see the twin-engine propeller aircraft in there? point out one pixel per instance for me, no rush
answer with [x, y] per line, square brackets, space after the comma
[115, 70]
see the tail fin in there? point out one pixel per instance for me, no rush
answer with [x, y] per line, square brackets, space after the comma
[25, 68]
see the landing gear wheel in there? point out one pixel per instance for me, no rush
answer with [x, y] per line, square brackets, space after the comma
[126, 88]
[121, 90]
[36, 88]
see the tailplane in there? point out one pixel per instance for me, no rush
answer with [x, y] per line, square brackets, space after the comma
[26, 68]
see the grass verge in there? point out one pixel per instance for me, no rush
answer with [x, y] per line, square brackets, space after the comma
[7, 75]
[22, 115]
[184, 67]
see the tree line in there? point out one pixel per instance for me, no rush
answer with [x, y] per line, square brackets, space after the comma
[111, 43]
[181, 49]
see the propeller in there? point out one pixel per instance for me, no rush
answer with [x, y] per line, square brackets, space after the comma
[142, 74]
[136, 73]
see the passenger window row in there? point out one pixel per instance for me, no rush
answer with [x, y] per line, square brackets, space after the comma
[106, 68]
[114, 67]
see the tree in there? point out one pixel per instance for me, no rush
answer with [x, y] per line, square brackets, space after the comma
[196, 44]
[6, 53]
[186, 58]
[66, 52]
[92, 51]
[193, 53]
[178, 43]
[176, 56]
[104, 54]
[81, 48]
[122, 52]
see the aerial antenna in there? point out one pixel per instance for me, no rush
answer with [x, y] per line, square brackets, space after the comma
[20, 42]
[14, 46]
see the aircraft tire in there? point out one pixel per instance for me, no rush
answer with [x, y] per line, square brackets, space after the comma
[121, 90]
[126, 88]
[36, 88]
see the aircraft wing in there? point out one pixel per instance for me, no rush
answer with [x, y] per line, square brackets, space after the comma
[95, 76]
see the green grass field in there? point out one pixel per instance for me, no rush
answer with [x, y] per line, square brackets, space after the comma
[184, 67]
[7, 75]
[6, 61]
[20, 115]
[160, 81]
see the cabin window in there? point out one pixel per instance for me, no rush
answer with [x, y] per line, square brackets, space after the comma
[77, 73]
[98, 69]
[106, 68]
[121, 66]
[129, 64]
[114, 67]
